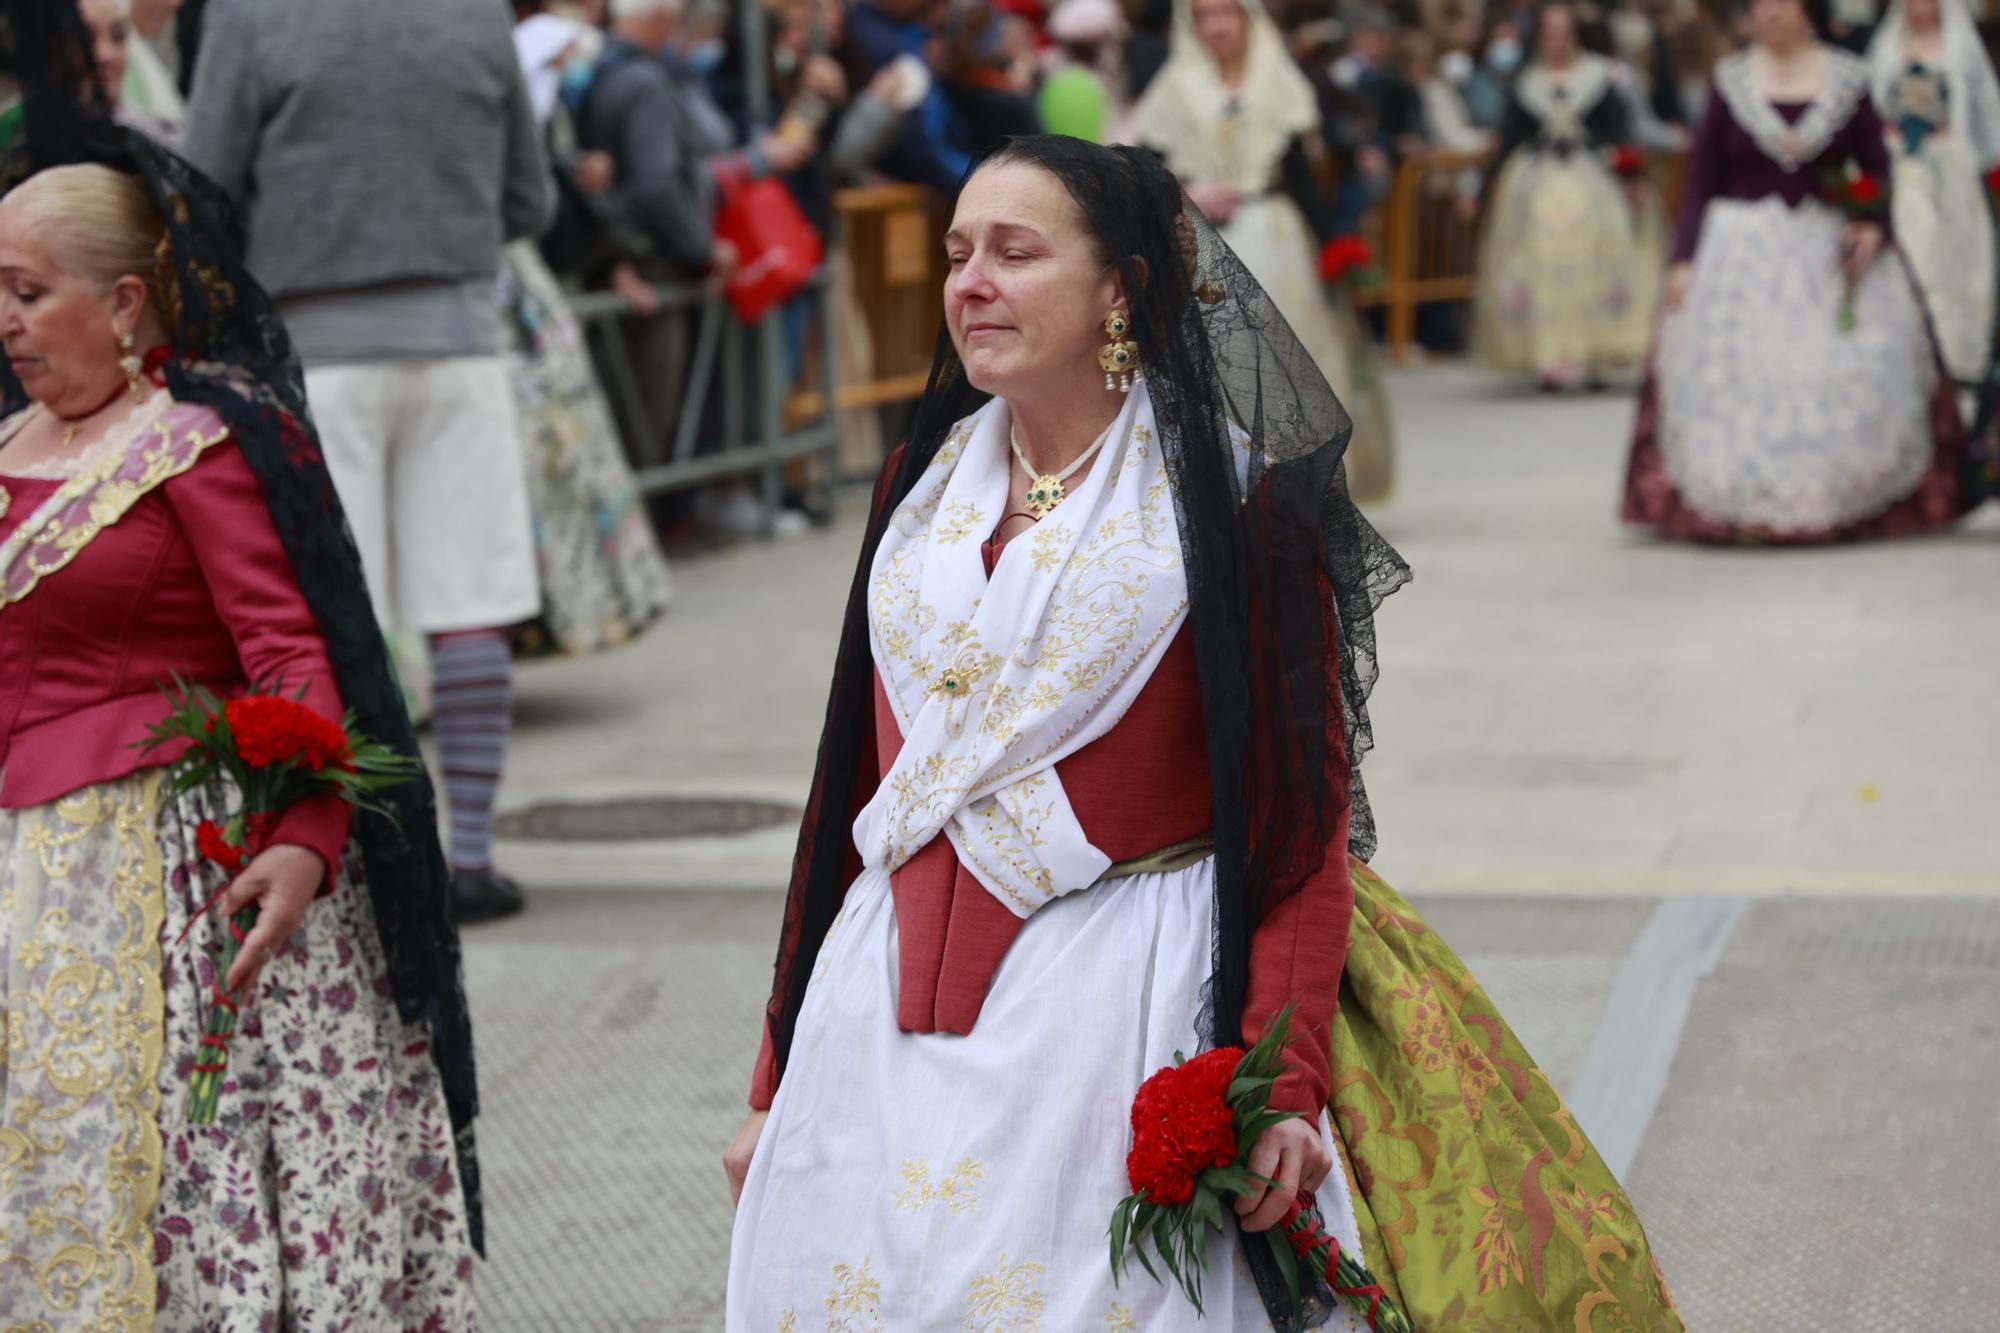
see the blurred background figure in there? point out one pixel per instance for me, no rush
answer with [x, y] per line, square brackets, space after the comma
[1797, 393]
[984, 57]
[1935, 90]
[1082, 94]
[1239, 124]
[1446, 120]
[649, 107]
[1564, 294]
[1499, 59]
[934, 146]
[379, 232]
[136, 82]
[603, 579]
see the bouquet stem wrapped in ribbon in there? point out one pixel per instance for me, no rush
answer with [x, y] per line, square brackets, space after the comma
[1193, 1126]
[272, 752]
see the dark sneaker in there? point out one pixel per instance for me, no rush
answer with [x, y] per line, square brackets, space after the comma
[486, 896]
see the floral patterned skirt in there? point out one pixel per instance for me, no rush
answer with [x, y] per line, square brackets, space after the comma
[1485, 1206]
[1568, 274]
[325, 1197]
[603, 577]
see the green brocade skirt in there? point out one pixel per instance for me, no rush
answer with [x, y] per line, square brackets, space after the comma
[1482, 1205]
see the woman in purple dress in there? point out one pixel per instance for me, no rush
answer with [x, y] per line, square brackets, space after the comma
[1795, 392]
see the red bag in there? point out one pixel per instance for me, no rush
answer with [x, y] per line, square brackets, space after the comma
[777, 250]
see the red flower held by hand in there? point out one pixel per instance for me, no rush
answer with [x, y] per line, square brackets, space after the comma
[1182, 1123]
[1627, 160]
[215, 846]
[1865, 189]
[269, 729]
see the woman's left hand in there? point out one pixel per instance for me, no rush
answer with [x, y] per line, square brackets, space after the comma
[1293, 1155]
[1864, 242]
[282, 881]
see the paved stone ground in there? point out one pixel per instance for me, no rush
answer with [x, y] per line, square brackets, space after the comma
[1576, 728]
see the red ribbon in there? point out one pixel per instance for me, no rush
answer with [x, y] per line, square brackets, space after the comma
[257, 828]
[223, 999]
[1308, 1235]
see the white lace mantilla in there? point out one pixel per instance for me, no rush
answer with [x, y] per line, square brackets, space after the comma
[1791, 146]
[993, 682]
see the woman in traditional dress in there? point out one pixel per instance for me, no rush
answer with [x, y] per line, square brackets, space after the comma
[1087, 796]
[1564, 292]
[164, 514]
[1239, 124]
[602, 575]
[1935, 88]
[1795, 392]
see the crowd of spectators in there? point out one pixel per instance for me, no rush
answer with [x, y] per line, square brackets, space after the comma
[651, 104]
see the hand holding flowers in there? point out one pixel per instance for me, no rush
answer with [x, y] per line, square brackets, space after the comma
[1203, 1130]
[270, 752]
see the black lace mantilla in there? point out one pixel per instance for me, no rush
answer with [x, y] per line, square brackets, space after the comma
[234, 356]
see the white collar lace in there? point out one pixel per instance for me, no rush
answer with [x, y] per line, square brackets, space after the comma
[1791, 146]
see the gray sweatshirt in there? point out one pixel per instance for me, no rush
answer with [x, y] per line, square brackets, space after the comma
[382, 151]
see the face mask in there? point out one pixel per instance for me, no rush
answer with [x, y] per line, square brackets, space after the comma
[705, 58]
[1455, 67]
[1504, 56]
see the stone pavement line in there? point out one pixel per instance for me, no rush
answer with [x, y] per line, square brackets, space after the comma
[1640, 1030]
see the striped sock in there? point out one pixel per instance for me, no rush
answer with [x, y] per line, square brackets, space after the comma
[472, 693]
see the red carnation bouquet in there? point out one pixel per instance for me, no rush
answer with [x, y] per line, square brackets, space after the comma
[1193, 1125]
[1349, 258]
[272, 752]
[1627, 161]
[1861, 198]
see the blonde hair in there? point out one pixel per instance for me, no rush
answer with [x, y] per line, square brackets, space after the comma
[99, 225]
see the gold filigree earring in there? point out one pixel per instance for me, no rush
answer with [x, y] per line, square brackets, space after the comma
[129, 362]
[1118, 358]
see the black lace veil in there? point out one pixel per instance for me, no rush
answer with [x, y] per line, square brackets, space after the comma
[1284, 577]
[231, 353]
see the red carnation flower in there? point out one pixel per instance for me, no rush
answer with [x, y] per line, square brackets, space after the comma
[1627, 160]
[1342, 255]
[1993, 180]
[1865, 189]
[269, 729]
[1182, 1124]
[215, 846]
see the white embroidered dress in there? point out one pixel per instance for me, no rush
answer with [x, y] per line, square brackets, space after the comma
[927, 1181]
[1943, 117]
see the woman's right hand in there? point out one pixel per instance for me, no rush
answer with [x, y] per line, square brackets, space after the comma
[736, 1159]
[1679, 278]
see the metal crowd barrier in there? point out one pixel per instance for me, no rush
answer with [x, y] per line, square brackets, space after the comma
[758, 436]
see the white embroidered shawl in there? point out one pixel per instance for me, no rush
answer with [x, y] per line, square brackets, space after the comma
[994, 681]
